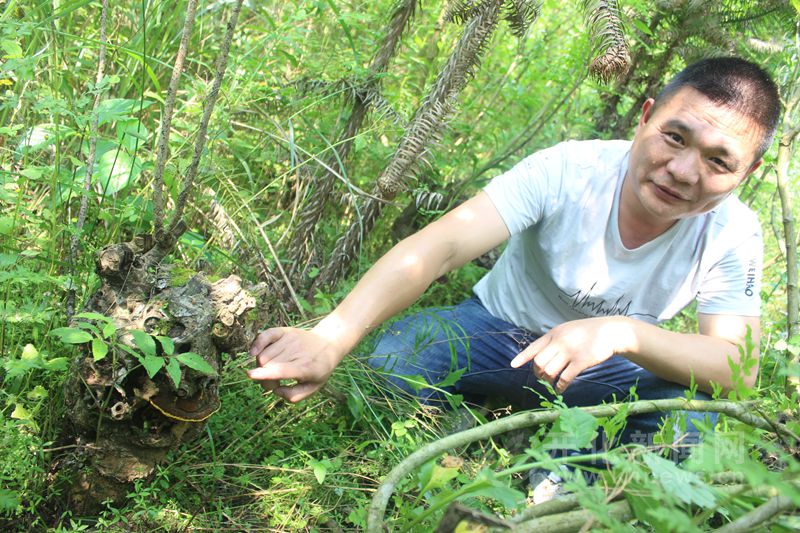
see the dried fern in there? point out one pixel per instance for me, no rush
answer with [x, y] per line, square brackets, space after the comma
[423, 132]
[520, 15]
[367, 96]
[460, 11]
[608, 39]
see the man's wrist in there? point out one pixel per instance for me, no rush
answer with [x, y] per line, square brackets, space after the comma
[626, 341]
[338, 334]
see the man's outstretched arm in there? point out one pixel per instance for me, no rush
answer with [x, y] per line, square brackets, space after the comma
[391, 285]
[572, 347]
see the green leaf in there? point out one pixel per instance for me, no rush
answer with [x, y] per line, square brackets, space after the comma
[681, 484]
[19, 367]
[152, 364]
[99, 349]
[12, 49]
[88, 326]
[488, 486]
[9, 500]
[29, 352]
[196, 362]
[131, 134]
[574, 429]
[114, 170]
[415, 381]
[6, 225]
[20, 413]
[112, 109]
[320, 470]
[71, 335]
[57, 363]
[93, 316]
[37, 393]
[642, 27]
[451, 378]
[144, 342]
[434, 476]
[167, 344]
[174, 371]
[109, 330]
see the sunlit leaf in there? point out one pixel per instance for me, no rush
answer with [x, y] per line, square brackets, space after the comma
[112, 109]
[143, 341]
[574, 429]
[152, 364]
[71, 335]
[196, 362]
[99, 349]
[167, 344]
[93, 316]
[174, 371]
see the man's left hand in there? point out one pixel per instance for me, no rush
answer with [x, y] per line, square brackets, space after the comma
[570, 348]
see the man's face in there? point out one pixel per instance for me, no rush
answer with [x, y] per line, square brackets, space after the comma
[687, 156]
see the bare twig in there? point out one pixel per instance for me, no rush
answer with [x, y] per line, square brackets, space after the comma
[166, 120]
[74, 251]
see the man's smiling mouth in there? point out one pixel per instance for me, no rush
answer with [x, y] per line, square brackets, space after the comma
[669, 194]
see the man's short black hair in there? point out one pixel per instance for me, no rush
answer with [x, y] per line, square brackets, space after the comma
[735, 83]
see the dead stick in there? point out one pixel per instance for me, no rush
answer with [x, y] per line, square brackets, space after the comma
[87, 180]
[166, 120]
[200, 143]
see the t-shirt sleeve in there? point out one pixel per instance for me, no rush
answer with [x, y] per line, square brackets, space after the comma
[733, 284]
[522, 194]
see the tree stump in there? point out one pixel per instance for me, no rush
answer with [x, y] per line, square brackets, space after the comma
[123, 422]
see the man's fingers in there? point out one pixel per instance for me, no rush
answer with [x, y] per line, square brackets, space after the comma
[269, 385]
[544, 358]
[297, 392]
[566, 378]
[264, 339]
[280, 370]
[270, 352]
[553, 367]
[530, 352]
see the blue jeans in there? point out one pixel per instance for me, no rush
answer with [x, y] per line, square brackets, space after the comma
[437, 342]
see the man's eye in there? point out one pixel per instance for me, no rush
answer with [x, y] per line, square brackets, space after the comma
[674, 137]
[719, 162]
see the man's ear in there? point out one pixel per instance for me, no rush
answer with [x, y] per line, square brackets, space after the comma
[753, 167]
[647, 111]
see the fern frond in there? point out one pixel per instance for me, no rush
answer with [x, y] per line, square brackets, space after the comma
[460, 11]
[432, 113]
[608, 38]
[520, 15]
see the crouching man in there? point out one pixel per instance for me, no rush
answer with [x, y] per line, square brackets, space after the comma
[607, 239]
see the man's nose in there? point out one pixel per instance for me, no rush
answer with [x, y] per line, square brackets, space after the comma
[684, 166]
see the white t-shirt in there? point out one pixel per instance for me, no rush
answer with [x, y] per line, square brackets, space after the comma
[565, 259]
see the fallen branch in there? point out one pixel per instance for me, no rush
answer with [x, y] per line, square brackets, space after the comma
[759, 516]
[738, 410]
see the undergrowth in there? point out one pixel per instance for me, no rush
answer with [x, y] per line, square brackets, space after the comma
[263, 464]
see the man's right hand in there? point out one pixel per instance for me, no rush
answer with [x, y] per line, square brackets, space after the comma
[305, 356]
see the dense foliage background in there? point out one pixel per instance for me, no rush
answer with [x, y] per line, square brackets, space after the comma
[296, 72]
